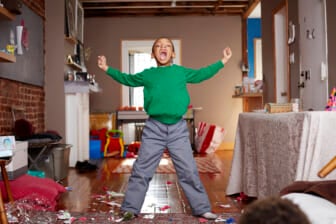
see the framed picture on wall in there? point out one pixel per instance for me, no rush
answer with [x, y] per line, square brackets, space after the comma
[70, 6]
[80, 21]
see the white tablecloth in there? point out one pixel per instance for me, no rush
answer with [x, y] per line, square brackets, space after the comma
[274, 150]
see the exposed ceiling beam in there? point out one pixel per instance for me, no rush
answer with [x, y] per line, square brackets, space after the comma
[109, 8]
[250, 9]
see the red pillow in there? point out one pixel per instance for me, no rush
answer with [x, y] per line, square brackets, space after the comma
[23, 129]
[27, 185]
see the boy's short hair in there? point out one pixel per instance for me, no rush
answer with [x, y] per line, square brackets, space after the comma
[170, 40]
[273, 210]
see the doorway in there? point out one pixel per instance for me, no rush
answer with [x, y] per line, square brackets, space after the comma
[253, 42]
[281, 59]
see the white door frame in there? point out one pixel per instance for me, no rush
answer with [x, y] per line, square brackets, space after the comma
[281, 57]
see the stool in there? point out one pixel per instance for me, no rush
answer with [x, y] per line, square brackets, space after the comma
[3, 216]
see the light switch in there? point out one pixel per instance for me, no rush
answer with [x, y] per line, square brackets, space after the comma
[324, 74]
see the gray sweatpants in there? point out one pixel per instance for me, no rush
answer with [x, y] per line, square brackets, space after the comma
[157, 137]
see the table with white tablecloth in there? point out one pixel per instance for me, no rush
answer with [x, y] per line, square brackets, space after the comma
[273, 150]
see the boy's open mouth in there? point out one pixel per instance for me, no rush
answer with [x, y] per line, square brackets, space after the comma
[163, 55]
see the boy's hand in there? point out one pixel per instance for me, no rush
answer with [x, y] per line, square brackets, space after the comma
[102, 63]
[227, 53]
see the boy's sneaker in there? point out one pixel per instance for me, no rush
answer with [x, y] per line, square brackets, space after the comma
[209, 215]
[128, 216]
[85, 166]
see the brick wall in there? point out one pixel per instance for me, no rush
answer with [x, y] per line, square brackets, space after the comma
[13, 93]
[17, 94]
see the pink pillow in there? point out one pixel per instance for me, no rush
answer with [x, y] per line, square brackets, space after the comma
[27, 185]
[23, 129]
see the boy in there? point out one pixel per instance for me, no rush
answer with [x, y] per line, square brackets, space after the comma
[165, 100]
[273, 210]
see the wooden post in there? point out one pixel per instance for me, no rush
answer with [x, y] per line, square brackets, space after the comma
[3, 215]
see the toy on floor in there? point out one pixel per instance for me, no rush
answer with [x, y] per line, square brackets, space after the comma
[331, 105]
[114, 143]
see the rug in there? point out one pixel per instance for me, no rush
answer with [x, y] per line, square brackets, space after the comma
[106, 217]
[204, 165]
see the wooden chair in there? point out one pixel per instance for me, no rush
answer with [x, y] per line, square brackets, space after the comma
[3, 215]
[17, 112]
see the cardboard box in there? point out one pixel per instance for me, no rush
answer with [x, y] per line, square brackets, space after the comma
[19, 162]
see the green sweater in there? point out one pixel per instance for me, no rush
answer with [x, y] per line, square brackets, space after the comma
[166, 97]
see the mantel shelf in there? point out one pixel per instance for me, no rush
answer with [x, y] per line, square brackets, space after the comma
[4, 57]
[4, 13]
[248, 95]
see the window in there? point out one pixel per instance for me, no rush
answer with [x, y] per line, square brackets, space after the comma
[136, 56]
[138, 62]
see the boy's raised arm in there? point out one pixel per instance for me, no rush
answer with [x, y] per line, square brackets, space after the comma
[102, 63]
[227, 53]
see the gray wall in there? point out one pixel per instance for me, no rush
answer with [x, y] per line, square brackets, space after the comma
[331, 18]
[103, 36]
[309, 53]
[313, 53]
[54, 62]
[202, 39]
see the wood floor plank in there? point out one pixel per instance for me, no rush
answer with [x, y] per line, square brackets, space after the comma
[89, 189]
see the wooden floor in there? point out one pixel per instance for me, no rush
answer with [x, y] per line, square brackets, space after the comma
[89, 191]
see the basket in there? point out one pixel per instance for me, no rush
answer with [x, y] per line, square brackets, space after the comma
[278, 107]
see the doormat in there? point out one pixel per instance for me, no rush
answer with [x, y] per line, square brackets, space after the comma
[204, 165]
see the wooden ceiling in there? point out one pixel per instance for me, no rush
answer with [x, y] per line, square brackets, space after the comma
[120, 8]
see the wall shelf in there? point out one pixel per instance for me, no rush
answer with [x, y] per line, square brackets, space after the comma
[4, 13]
[72, 64]
[4, 57]
[71, 40]
[75, 66]
[251, 101]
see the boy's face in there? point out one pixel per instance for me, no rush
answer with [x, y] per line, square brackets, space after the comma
[163, 52]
